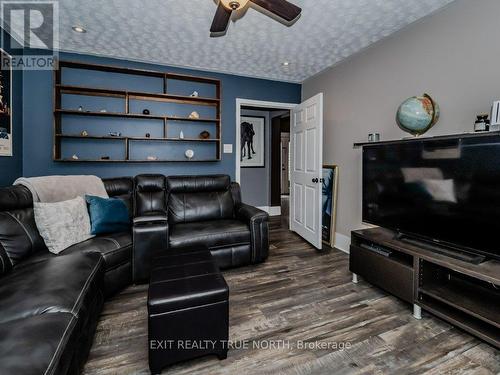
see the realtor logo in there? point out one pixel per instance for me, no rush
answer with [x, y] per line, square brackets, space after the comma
[32, 34]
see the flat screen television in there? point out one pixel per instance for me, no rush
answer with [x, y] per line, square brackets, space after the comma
[446, 191]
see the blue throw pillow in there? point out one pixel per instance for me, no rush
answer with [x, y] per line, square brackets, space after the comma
[107, 215]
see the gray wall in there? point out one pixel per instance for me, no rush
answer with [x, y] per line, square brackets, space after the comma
[255, 182]
[453, 55]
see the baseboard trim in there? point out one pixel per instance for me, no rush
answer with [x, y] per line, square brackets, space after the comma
[272, 211]
[342, 242]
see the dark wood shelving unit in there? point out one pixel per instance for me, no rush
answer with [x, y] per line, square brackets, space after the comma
[464, 294]
[61, 89]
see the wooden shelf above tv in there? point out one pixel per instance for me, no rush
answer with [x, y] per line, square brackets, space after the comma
[187, 103]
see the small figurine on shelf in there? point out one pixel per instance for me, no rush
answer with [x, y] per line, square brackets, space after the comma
[204, 134]
[148, 135]
[80, 109]
[152, 158]
[75, 157]
[115, 134]
[181, 135]
[84, 133]
[105, 157]
[194, 115]
[146, 111]
[194, 94]
[189, 154]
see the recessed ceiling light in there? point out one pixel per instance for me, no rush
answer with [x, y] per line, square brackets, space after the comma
[79, 29]
[286, 63]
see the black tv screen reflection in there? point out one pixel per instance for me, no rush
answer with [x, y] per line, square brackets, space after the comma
[441, 190]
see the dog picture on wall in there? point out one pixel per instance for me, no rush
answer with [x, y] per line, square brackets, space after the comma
[252, 142]
[5, 107]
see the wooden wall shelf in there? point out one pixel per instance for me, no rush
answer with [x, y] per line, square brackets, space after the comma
[128, 97]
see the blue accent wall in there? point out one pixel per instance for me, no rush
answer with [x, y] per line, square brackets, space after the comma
[38, 120]
[11, 167]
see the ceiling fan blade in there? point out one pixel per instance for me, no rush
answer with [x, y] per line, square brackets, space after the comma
[281, 8]
[221, 19]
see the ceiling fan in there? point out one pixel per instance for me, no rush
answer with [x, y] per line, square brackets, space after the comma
[280, 8]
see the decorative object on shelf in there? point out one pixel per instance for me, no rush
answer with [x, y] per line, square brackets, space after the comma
[148, 135]
[373, 137]
[74, 157]
[152, 158]
[204, 134]
[194, 115]
[115, 134]
[84, 133]
[80, 109]
[181, 135]
[252, 145]
[105, 157]
[146, 111]
[482, 123]
[195, 94]
[329, 206]
[103, 110]
[189, 154]
[495, 117]
[418, 114]
[6, 89]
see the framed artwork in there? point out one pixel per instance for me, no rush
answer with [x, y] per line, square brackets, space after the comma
[252, 142]
[6, 107]
[329, 205]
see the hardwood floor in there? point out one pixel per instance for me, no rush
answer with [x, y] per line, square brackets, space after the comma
[300, 295]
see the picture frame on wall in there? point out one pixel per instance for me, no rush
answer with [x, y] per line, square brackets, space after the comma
[330, 177]
[6, 106]
[252, 142]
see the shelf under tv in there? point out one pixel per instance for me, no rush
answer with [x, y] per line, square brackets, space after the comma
[462, 293]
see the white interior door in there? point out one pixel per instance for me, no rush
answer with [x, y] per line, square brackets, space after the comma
[307, 162]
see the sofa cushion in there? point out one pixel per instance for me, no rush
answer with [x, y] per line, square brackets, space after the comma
[116, 248]
[62, 224]
[36, 345]
[107, 215]
[121, 188]
[211, 233]
[199, 198]
[54, 284]
[150, 194]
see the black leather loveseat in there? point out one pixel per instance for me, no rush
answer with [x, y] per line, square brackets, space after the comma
[50, 304]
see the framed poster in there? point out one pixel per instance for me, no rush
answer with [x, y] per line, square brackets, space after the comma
[6, 107]
[329, 206]
[252, 142]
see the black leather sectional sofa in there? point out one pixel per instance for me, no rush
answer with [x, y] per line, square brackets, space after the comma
[50, 304]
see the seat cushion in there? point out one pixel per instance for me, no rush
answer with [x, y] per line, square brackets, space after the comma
[116, 248]
[55, 284]
[172, 295]
[36, 345]
[212, 234]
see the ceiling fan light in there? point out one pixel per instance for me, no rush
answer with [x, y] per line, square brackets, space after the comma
[234, 4]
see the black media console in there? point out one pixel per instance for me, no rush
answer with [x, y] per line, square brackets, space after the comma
[465, 294]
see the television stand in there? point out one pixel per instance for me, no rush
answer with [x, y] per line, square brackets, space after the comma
[464, 294]
[448, 250]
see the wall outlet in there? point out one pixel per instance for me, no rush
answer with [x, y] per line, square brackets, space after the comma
[228, 148]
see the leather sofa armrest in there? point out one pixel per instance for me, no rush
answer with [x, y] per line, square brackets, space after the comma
[258, 222]
[150, 237]
[151, 218]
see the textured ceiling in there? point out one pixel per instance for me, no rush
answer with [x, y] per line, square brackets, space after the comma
[176, 32]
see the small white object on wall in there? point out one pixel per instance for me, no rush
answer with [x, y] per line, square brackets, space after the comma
[228, 148]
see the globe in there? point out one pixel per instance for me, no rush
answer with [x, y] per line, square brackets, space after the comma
[418, 114]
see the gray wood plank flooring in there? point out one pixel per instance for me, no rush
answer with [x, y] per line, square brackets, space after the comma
[300, 294]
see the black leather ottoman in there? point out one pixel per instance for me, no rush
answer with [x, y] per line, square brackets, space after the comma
[188, 309]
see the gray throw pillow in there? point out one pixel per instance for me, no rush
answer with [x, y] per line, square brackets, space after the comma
[62, 224]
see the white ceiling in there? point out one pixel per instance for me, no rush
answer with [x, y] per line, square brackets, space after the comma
[176, 32]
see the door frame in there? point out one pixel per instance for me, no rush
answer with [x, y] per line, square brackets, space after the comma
[242, 102]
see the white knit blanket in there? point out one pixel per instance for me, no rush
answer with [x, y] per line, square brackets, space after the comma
[47, 189]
